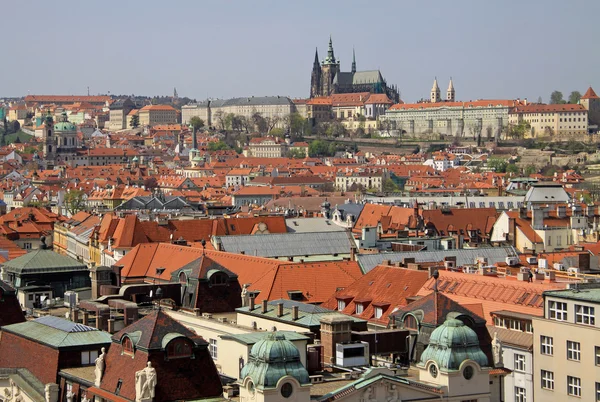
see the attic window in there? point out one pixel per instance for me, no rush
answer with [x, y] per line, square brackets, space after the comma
[127, 346]
[410, 322]
[295, 295]
[118, 388]
[179, 348]
[218, 279]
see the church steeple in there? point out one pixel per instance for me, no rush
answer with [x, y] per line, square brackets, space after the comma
[435, 92]
[450, 97]
[316, 63]
[353, 61]
[330, 59]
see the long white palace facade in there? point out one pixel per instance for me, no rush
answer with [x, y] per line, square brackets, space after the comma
[450, 117]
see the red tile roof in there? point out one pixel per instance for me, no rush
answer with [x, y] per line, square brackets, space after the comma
[589, 94]
[554, 108]
[492, 293]
[384, 286]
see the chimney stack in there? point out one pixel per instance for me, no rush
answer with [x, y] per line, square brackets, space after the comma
[111, 325]
[251, 303]
[279, 309]
[265, 306]
[295, 313]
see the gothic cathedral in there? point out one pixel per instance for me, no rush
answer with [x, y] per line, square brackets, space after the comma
[326, 78]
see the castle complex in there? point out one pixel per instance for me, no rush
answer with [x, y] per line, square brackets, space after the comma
[327, 79]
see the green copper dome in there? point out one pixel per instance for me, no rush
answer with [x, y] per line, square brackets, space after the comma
[452, 343]
[64, 124]
[271, 359]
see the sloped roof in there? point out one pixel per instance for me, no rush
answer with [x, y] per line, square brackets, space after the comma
[463, 256]
[43, 261]
[434, 309]
[589, 94]
[58, 332]
[305, 318]
[288, 244]
[385, 287]
[153, 328]
[492, 292]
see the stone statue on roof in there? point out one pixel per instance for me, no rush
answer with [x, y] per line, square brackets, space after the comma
[51, 392]
[145, 383]
[99, 367]
[497, 350]
[245, 295]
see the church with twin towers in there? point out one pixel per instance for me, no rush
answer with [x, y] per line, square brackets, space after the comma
[327, 79]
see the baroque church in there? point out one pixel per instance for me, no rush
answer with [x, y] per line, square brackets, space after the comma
[326, 78]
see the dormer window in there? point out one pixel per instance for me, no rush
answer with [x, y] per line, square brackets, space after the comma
[359, 308]
[127, 346]
[341, 304]
[179, 348]
[218, 279]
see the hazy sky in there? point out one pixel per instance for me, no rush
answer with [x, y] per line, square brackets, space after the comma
[492, 49]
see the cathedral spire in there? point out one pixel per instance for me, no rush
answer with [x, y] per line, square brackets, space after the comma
[435, 92]
[450, 94]
[330, 59]
[353, 61]
[316, 62]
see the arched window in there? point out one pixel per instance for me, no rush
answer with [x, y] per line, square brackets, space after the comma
[410, 322]
[127, 346]
[182, 278]
[218, 279]
[179, 348]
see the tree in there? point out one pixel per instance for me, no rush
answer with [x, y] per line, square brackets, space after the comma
[320, 148]
[389, 186]
[517, 131]
[529, 170]
[135, 121]
[217, 146]
[512, 169]
[196, 123]
[219, 118]
[336, 129]
[228, 121]
[74, 201]
[574, 97]
[540, 100]
[271, 122]
[296, 124]
[556, 98]
[277, 132]
[259, 123]
[296, 153]
[246, 124]
[497, 164]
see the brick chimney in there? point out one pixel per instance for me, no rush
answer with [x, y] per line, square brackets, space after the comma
[295, 313]
[252, 303]
[279, 309]
[334, 329]
[265, 305]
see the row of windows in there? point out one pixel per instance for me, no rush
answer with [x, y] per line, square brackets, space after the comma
[573, 349]
[573, 384]
[583, 314]
[360, 308]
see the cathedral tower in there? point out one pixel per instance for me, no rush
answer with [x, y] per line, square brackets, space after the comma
[315, 77]
[353, 61]
[450, 96]
[435, 92]
[329, 69]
